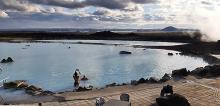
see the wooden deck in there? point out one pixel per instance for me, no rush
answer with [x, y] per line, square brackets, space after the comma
[197, 93]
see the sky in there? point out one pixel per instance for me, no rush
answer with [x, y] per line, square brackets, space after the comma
[103, 14]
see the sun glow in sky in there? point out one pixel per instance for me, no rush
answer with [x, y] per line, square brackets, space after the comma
[105, 13]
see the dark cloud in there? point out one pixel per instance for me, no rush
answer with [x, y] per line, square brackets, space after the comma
[144, 1]
[36, 5]
[12, 4]
[38, 20]
[110, 4]
[60, 3]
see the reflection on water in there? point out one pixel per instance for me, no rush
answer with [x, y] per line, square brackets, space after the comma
[51, 65]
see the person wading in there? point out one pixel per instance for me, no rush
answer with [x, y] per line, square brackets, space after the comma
[76, 78]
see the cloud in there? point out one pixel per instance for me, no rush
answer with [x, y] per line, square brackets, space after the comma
[19, 5]
[61, 3]
[144, 1]
[3, 14]
[206, 3]
[73, 4]
[55, 20]
[105, 12]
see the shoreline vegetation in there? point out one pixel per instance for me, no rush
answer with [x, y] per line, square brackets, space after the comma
[194, 48]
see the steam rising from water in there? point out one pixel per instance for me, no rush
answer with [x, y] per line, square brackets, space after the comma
[207, 18]
[211, 26]
[200, 14]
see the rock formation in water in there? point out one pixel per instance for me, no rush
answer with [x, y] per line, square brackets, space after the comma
[170, 54]
[8, 60]
[29, 89]
[125, 52]
[13, 84]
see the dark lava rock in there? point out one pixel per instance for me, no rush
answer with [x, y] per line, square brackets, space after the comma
[80, 89]
[207, 71]
[213, 71]
[124, 84]
[3, 61]
[111, 85]
[200, 71]
[180, 72]
[47, 93]
[33, 88]
[142, 80]
[13, 84]
[91, 87]
[8, 60]
[181, 53]
[170, 54]
[10, 85]
[153, 80]
[125, 52]
[134, 82]
[172, 100]
[165, 78]
[31, 92]
[22, 86]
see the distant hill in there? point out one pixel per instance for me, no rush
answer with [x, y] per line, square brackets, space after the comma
[105, 33]
[170, 29]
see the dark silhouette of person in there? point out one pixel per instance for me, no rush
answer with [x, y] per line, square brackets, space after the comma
[76, 76]
[166, 90]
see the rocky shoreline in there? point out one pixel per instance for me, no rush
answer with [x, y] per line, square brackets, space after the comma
[209, 71]
[200, 72]
[202, 50]
[29, 89]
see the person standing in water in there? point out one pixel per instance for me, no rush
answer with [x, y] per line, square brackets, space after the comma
[76, 78]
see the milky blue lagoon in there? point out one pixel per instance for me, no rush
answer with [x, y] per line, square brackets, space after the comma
[51, 65]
